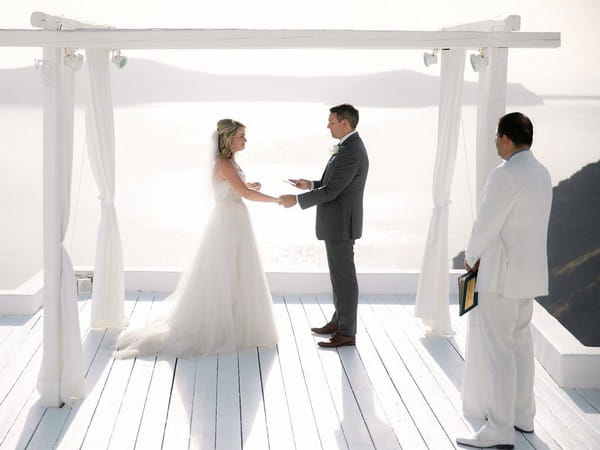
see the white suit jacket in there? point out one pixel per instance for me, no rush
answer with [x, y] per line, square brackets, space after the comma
[510, 233]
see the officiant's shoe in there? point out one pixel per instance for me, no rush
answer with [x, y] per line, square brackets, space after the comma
[330, 328]
[524, 429]
[485, 438]
[481, 443]
[338, 340]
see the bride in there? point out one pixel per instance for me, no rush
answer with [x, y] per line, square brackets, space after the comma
[223, 302]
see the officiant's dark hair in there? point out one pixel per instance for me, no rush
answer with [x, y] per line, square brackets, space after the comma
[348, 112]
[517, 127]
[226, 131]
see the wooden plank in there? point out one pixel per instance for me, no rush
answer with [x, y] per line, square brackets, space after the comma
[575, 406]
[97, 356]
[17, 329]
[203, 426]
[376, 415]
[19, 410]
[592, 396]
[177, 429]
[31, 419]
[438, 348]
[276, 403]
[52, 419]
[128, 418]
[152, 426]
[103, 421]
[228, 432]
[253, 423]
[415, 407]
[11, 323]
[376, 373]
[326, 416]
[355, 429]
[434, 392]
[273, 39]
[302, 417]
[569, 426]
[14, 347]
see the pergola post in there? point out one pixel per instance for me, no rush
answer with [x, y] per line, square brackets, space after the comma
[61, 377]
[491, 106]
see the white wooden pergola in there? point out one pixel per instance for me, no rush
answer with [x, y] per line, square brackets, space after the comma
[61, 374]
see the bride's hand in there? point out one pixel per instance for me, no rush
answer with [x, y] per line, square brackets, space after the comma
[255, 185]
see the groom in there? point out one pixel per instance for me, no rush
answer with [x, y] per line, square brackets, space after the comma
[339, 199]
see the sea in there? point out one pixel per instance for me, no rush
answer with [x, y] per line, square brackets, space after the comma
[163, 195]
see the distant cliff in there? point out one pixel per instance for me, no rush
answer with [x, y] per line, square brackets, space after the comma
[574, 255]
[145, 81]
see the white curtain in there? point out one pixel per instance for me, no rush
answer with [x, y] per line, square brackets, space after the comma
[61, 377]
[108, 292]
[432, 293]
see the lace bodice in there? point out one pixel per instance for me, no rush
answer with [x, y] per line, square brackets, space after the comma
[224, 192]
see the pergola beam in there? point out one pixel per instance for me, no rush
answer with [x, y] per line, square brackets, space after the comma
[166, 38]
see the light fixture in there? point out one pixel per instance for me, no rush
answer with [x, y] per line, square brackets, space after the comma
[72, 59]
[40, 63]
[118, 60]
[430, 58]
[479, 60]
[45, 68]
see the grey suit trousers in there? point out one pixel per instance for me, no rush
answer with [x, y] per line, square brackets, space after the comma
[340, 257]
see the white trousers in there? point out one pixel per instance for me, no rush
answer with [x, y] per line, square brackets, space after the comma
[508, 367]
[507, 351]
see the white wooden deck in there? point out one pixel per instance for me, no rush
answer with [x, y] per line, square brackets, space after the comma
[396, 389]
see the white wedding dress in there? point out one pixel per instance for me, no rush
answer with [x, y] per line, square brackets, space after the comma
[222, 303]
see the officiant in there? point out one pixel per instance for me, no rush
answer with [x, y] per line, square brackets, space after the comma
[508, 245]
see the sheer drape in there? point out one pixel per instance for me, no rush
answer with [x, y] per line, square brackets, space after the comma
[61, 377]
[109, 287]
[432, 292]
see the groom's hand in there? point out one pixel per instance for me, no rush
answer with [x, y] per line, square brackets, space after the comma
[287, 201]
[300, 183]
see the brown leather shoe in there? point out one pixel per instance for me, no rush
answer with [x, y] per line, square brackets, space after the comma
[330, 328]
[338, 340]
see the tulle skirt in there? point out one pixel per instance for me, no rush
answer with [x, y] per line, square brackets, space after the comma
[222, 303]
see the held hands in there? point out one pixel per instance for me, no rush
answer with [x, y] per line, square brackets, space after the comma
[287, 201]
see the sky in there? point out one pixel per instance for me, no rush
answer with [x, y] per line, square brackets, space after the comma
[572, 69]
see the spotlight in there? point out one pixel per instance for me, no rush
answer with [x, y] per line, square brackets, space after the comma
[119, 60]
[72, 59]
[479, 60]
[430, 58]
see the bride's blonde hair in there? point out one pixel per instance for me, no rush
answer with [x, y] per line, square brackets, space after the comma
[226, 131]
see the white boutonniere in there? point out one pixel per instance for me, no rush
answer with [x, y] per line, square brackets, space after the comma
[334, 150]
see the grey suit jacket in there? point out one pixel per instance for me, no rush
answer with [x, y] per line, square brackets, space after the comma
[338, 195]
